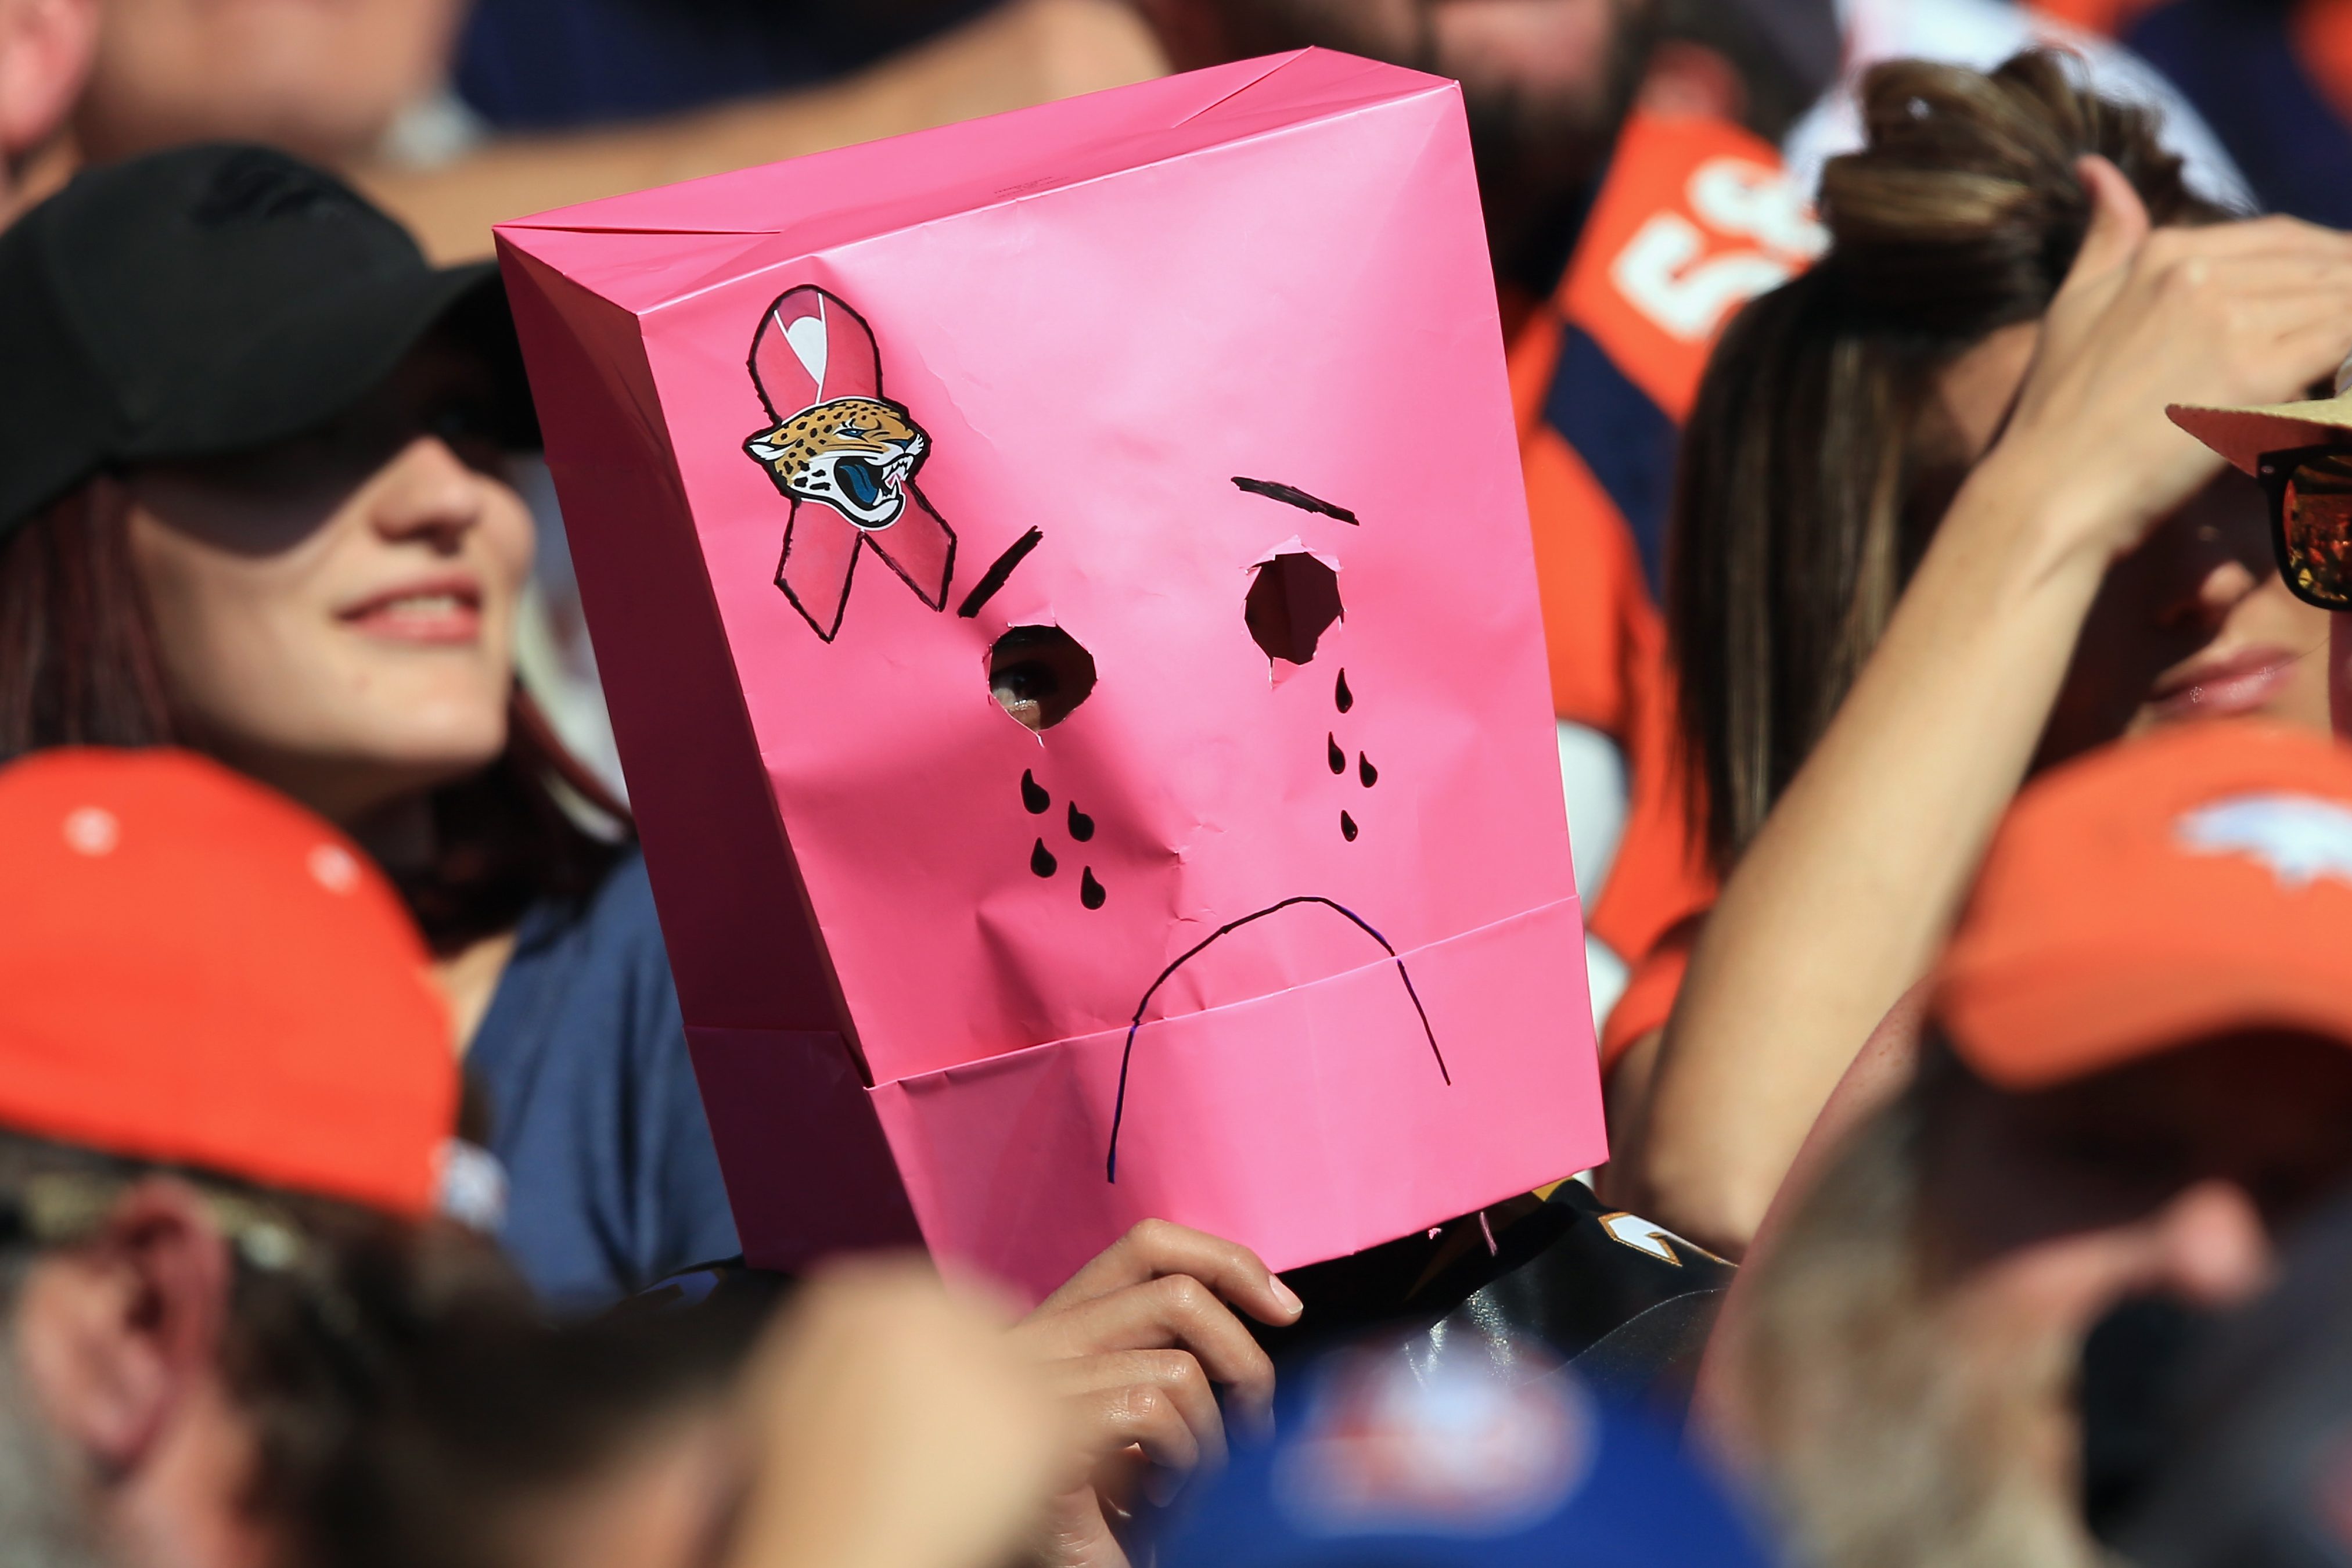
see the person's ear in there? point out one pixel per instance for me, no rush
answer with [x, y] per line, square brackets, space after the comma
[113, 1333]
[46, 47]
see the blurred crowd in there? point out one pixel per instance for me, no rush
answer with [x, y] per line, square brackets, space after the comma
[1937, 448]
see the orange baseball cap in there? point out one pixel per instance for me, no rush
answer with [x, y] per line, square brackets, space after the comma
[195, 971]
[2154, 893]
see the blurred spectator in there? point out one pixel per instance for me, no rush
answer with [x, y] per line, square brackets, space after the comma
[1980, 34]
[553, 65]
[2136, 1075]
[235, 1333]
[449, 182]
[249, 499]
[320, 80]
[1870, 454]
[45, 53]
[1664, 885]
[226, 1091]
[360, 85]
[1466, 1464]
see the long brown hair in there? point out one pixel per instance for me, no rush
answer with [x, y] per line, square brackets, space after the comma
[1817, 461]
[80, 666]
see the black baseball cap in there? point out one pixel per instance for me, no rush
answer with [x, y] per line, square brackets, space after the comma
[212, 299]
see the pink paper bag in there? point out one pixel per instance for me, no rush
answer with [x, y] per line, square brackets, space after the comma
[1065, 594]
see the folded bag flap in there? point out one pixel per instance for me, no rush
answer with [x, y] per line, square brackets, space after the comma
[1307, 1124]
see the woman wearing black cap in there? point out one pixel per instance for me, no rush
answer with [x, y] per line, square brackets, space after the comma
[250, 500]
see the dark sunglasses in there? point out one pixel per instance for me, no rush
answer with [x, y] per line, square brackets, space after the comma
[2310, 492]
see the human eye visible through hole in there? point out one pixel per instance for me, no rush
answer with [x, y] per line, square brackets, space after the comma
[1039, 675]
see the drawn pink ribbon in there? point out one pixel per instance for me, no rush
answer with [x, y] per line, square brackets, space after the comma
[811, 349]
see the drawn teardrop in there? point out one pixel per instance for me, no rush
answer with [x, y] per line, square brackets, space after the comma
[1348, 827]
[1338, 759]
[1042, 861]
[1345, 698]
[1034, 795]
[1090, 892]
[1082, 827]
[1366, 771]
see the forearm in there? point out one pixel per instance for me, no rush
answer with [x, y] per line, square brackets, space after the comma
[1029, 52]
[1840, 903]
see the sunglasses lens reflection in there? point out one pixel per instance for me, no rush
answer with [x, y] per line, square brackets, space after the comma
[2319, 529]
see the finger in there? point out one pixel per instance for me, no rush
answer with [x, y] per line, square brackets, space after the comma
[2283, 236]
[1145, 1417]
[1177, 1313]
[1075, 1535]
[2314, 351]
[2119, 225]
[1176, 1374]
[1156, 1248]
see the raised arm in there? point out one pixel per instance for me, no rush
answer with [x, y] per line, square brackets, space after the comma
[1028, 52]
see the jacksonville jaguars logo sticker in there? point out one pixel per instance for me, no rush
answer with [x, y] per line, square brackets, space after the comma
[846, 458]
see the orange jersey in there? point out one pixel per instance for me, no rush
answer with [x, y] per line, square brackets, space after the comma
[1693, 219]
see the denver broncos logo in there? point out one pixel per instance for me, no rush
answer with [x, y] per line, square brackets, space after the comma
[2301, 838]
[844, 455]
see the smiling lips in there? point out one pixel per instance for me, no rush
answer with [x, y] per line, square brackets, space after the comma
[438, 611]
[2241, 683]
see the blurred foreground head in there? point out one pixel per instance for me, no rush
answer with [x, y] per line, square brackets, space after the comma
[226, 1101]
[2138, 1069]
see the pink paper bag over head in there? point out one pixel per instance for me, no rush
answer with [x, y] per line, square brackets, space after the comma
[1064, 590]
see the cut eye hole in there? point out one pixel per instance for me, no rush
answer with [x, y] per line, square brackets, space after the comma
[1293, 600]
[1040, 674]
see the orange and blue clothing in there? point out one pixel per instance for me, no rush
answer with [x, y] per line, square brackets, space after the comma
[1692, 219]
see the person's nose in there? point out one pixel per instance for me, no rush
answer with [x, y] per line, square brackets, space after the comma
[2204, 609]
[428, 497]
[2209, 1247]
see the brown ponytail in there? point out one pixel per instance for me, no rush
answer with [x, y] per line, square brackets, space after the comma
[1817, 461]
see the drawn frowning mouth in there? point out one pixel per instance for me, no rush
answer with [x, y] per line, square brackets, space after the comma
[1126, 1058]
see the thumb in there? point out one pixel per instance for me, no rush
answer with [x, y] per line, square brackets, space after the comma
[2118, 224]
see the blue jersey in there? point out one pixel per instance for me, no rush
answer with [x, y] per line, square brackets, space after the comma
[613, 1179]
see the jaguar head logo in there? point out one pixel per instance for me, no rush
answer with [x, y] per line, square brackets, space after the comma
[857, 455]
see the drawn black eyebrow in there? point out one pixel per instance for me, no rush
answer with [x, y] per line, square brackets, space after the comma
[995, 577]
[1291, 495]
